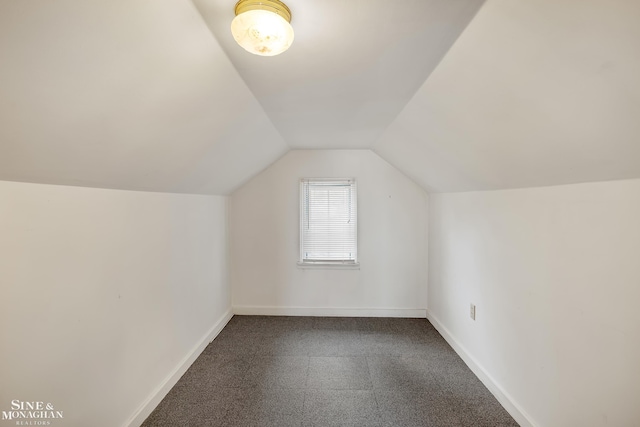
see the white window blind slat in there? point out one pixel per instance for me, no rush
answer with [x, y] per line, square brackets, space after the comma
[328, 214]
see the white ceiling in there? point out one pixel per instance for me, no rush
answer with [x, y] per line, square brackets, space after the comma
[155, 95]
[534, 93]
[125, 94]
[352, 67]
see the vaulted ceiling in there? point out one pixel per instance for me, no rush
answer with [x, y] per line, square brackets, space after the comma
[457, 94]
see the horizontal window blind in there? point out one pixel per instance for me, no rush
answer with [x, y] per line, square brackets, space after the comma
[328, 212]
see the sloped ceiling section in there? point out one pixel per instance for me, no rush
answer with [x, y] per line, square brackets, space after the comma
[156, 95]
[533, 93]
[352, 67]
[125, 94]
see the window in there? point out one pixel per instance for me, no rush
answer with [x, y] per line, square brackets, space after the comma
[328, 232]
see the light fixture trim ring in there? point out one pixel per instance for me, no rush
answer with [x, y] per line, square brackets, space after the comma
[274, 6]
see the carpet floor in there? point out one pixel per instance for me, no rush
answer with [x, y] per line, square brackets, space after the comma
[326, 371]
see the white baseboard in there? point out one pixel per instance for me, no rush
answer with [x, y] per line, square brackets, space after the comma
[161, 391]
[513, 408]
[328, 312]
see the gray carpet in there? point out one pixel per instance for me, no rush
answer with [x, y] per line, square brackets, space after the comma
[326, 371]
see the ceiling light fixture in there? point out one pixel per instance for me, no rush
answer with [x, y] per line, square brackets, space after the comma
[262, 27]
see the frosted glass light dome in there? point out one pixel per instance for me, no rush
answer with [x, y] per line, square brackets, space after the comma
[262, 27]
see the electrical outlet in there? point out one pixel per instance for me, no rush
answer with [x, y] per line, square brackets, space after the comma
[472, 311]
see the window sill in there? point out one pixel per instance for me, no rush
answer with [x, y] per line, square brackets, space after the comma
[329, 265]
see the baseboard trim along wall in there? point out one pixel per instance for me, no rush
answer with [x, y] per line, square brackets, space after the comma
[503, 397]
[328, 312]
[161, 391]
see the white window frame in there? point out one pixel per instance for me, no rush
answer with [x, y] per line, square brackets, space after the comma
[331, 262]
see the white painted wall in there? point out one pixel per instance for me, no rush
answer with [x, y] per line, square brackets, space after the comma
[104, 295]
[392, 233]
[555, 274]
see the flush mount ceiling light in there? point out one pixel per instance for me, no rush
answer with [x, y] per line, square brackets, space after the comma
[262, 27]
